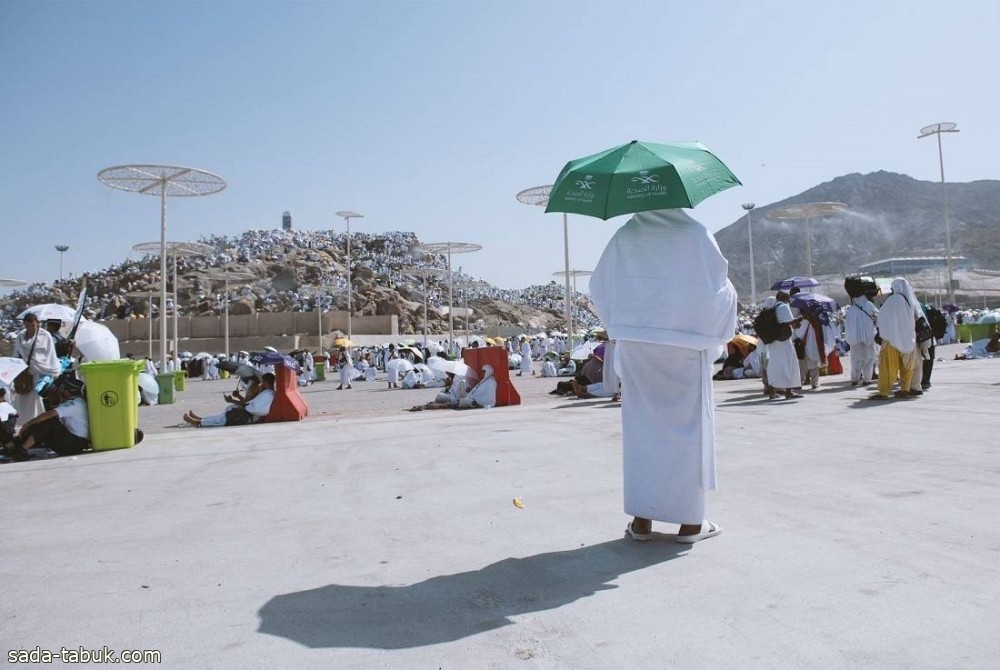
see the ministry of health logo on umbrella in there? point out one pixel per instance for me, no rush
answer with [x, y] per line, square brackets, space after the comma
[584, 192]
[645, 178]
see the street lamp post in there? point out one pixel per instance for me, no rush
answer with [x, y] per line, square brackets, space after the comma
[347, 216]
[62, 249]
[927, 131]
[748, 207]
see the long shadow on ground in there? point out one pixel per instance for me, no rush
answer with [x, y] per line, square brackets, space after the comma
[451, 607]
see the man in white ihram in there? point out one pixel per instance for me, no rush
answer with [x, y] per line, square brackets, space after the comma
[661, 290]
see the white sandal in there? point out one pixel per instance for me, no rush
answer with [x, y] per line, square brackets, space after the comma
[638, 537]
[708, 529]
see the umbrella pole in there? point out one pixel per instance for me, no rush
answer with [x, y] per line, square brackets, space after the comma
[425, 312]
[569, 309]
[163, 277]
[319, 311]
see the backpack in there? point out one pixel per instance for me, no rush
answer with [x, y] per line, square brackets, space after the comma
[766, 325]
[939, 324]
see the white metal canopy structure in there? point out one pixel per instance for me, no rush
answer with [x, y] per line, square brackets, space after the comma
[226, 276]
[319, 292]
[347, 215]
[539, 196]
[163, 181]
[148, 296]
[425, 274]
[806, 212]
[175, 249]
[12, 283]
[448, 249]
[572, 275]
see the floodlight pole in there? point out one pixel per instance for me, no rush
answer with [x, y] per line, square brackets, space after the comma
[176, 306]
[927, 131]
[748, 206]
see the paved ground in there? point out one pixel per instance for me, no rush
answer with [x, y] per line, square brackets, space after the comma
[857, 535]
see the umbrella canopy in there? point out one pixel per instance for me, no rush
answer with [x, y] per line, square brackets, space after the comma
[743, 342]
[815, 304]
[10, 367]
[639, 177]
[989, 317]
[274, 358]
[411, 350]
[342, 342]
[241, 370]
[51, 310]
[148, 385]
[948, 307]
[582, 352]
[96, 342]
[794, 282]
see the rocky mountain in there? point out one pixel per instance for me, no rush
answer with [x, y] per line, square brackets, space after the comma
[890, 215]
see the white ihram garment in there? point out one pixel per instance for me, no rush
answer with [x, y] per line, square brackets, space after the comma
[661, 290]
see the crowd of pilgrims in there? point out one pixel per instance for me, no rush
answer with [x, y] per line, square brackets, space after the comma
[891, 339]
[377, 259]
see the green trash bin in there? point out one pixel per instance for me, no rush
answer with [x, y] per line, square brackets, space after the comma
[179, 378]
[320, 369]
[112, 402]
[165, 380]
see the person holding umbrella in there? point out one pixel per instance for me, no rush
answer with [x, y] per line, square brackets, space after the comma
[662, 291]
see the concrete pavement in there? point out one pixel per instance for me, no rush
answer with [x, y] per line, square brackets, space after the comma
[857, 535]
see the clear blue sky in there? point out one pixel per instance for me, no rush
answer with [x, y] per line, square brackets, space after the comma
[430, 116]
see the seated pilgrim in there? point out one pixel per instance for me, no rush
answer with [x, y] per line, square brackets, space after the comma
[65, 429]
[483, 394]
[249, 409]
[455, 388]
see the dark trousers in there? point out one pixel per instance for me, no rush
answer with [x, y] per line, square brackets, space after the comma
[925, 380]
[53, 434]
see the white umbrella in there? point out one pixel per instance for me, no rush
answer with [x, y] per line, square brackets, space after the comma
[582, 352]
[149, 388]
[96, 342]
[51, 310]
[9, 368]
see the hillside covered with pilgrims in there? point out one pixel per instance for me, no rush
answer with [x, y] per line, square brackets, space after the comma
[298, 269]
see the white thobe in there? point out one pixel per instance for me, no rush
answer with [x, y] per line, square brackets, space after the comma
[661, 290]
[526, 358]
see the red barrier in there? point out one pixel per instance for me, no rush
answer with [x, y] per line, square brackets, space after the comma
[288, 405]
[497, 357]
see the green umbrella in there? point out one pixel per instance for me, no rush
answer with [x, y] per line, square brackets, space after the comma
[639, 177]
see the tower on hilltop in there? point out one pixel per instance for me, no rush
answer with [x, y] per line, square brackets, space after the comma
[286, 221]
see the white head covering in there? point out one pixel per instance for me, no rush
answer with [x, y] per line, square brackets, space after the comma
[663, 280]
[897, 318]
[769, 302]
